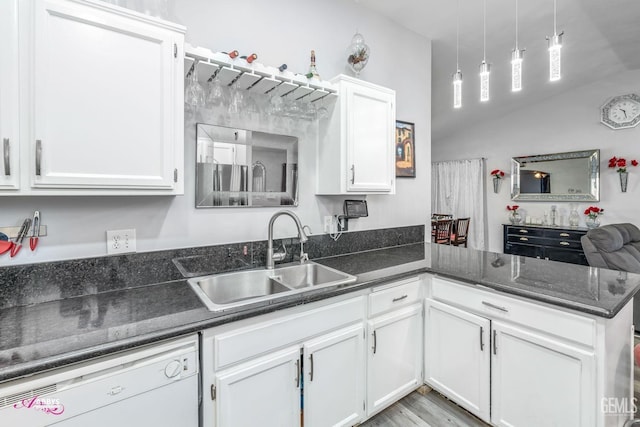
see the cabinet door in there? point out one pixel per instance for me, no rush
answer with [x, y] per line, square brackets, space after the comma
[565, 255]
[457, 353]
[9, 105]
[539, 381]
[370, 135]
[334, 378]
[263, 392]
[394, 358]
[105, 99]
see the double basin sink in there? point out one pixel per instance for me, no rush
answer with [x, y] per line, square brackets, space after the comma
[247, 288]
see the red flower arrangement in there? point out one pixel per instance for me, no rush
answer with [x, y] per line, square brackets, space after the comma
[593, 212]
[497, 173]
[621, 163]
[513, 208]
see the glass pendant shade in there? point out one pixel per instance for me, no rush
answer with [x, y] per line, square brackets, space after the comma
[484, 81]
[555, 45]
[457, 89]
[516, 70]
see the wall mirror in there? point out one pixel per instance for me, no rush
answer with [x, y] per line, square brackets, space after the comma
[245, 168]
[573, 176]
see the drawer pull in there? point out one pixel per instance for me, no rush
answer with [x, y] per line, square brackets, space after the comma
[564, 234]
[524, 239]
[497, 307]
[565, 243]
[400, 298]
[523, 231]
[495, 342]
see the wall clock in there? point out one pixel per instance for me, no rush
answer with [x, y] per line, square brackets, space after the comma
[621, 111]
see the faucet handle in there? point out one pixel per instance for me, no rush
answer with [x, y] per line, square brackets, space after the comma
[279, 256]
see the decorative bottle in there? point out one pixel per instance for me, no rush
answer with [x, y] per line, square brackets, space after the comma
[574, 217]
[312, 67]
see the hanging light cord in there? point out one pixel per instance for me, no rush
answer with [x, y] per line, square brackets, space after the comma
[457, 35]
[484, 30]
[555, 12]
[517, 24]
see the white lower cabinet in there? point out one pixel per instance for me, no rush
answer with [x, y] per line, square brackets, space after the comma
[262, 392]
[301, 366]
[457, 356]
[515, 363]
[531, 368]
[394, 365]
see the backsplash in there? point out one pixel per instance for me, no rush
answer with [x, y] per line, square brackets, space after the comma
[36, 283]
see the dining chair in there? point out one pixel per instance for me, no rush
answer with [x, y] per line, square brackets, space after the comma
[460, 231]
[441, 231]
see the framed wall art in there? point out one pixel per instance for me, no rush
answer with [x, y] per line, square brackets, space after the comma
[405, 149]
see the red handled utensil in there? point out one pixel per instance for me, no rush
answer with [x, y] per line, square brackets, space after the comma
[21, 235]
[5, 245]
[35, 231]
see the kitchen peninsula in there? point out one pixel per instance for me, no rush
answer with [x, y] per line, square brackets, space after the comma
[555, 319]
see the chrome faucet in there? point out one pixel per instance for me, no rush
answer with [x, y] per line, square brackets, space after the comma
[279, 256]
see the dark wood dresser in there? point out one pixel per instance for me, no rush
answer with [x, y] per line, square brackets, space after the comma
[545, 242]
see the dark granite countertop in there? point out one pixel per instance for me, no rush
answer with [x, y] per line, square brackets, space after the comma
[50, 334]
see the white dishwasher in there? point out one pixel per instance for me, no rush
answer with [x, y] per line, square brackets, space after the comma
[156, 385]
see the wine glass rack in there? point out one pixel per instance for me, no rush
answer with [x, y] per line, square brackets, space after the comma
[254, 77]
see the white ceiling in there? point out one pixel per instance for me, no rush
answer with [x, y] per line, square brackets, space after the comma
[602, 37]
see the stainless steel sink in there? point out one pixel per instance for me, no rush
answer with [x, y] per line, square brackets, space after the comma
[220, 292]
[310, 274]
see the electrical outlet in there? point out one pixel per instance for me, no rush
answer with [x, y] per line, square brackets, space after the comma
[121, 241]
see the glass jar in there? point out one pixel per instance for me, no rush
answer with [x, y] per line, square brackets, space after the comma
[515, 217]
[574, 218]
[592, 222]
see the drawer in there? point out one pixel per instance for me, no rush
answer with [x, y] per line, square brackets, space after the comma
[496, 305]
[250, 341]
[394, 295]
[528, 240]
[564, 234]
[525, 231]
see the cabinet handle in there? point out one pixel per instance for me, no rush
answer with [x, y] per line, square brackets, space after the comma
[524, 231]
[353, 173]
[213, 392]
[375, 342]
[297, 373]
[481, 338]
[497, 307]
[311, 368]
[495, 343]
[564, 234]
[524, 239]
[565, 243]
[399, 298]
[7, 156]
[38, 156]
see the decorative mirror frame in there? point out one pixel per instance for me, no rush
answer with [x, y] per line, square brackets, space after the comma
[594, 170]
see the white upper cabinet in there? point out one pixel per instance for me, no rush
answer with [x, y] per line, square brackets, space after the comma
[9, 99]
[105, 106]
[356, 147]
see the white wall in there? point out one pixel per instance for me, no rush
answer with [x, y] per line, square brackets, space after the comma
[279, 31]
[567, 122]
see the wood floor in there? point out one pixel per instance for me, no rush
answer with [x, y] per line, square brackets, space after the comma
[431, 409]
[428, 410]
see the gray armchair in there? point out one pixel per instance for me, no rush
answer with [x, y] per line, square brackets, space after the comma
[613, 246]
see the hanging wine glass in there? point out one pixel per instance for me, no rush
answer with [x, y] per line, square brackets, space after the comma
[357, 54]
[216, 95]
[194, 94]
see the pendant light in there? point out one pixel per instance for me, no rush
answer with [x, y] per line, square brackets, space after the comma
[457, 76]
[485, 69]
[555, 45]
[516, 62]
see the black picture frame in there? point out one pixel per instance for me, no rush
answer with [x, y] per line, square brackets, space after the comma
[405, 149]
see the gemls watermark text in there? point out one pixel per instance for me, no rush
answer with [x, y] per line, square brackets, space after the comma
[617, 406]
